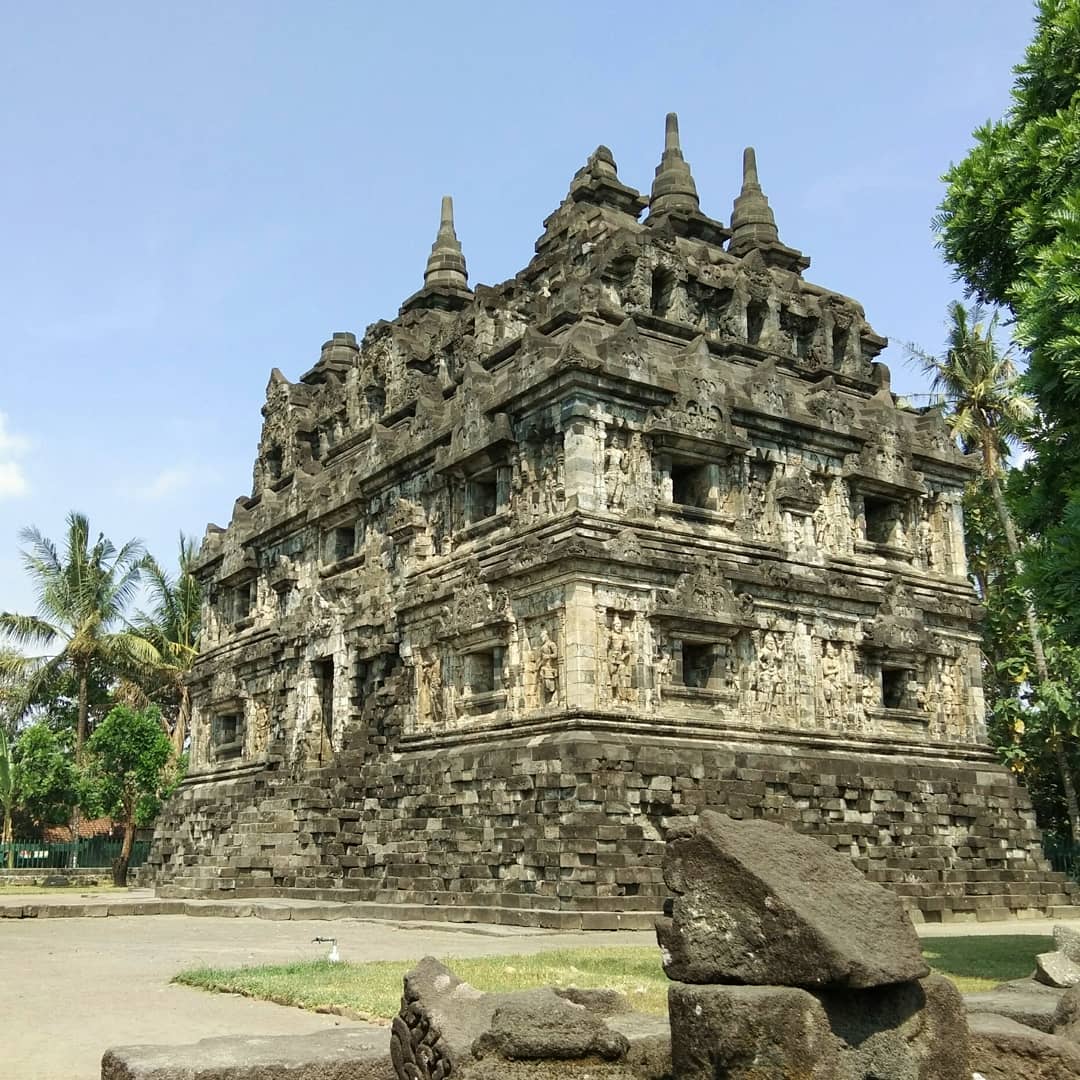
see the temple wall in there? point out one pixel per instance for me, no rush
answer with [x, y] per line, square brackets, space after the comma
[567, 829]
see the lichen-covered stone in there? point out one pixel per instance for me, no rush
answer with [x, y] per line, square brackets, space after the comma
[1066, 1019]
[1067, 941]
[1002, 1049]
[911, 1031]
[759, 904]
[448, 1028]
[1026, 1001]
[1056, 969]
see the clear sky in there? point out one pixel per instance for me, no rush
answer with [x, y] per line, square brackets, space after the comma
[192, 194]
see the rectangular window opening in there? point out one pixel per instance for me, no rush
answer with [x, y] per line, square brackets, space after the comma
[883, 520]
[755, 321]
[893, 687]
[343, 542]
[226, 734]
[482, 496]
[480, 672]
[324, 685]
[693, 485]
[699, 664]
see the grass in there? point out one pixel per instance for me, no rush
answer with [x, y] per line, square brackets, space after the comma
[373, 991]
[981, 963]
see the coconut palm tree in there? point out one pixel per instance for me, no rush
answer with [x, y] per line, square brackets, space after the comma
[987, 410]
[81, 599]
[172, 629]
[8, 796]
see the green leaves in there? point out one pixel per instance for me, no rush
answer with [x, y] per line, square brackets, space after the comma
[1010, 225]
[128, 762]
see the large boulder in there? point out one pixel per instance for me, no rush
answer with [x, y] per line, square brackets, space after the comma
[1002, 1049]
[447, 1027]
[759, 904]
[908, 1031]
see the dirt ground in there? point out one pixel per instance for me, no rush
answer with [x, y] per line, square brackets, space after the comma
[70, 988]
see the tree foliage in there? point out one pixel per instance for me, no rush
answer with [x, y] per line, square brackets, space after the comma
[131, 767]
[82, 595]
[172, 628]
[1010, 224]
[44, 767]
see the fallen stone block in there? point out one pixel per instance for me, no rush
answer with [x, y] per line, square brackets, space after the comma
[340, 1054]
[1056, 969]
[447, 1027]
[759, 904]
[1066, 1019]
[908, 1031]
[1002, 1049]
[1024, 1000]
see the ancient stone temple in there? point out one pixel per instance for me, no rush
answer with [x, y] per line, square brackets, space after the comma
[534, 568]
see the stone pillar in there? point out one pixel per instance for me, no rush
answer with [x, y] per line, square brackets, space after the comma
[582, 647]
[583, 453]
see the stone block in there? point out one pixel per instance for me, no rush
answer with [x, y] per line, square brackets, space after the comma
[1024, 1000]
[1067, 941]
[1056, 969]
[757, 903]
[909, 1031]
[340, 1054]
[448, 1028]
[1002, 1049]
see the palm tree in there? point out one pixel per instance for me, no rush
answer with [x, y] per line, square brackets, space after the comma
[8, 796]
[172, 629]
[81, 599]
[988, 410]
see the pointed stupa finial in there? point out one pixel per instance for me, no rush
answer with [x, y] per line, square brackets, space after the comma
[673, 187]
[752, 221]
[749, 169]
[446, 264]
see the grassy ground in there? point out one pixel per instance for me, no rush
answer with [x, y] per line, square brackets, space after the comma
[373, 991]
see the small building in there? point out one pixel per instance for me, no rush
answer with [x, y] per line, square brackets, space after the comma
[536, 568]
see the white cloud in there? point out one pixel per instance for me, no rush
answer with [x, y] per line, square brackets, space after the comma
[166, 483]
[12, 479]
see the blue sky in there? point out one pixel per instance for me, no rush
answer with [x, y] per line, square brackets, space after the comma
[194, 194]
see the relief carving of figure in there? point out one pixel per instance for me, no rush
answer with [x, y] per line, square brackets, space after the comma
[830, 682]
[616, 470]
[924, 539]
[431, 704]
[547, 670]
[549, 488]
[768, 672]
[620, 663]
[661, 674]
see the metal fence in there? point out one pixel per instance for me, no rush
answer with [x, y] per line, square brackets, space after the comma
[1063, 853]
[97, 851]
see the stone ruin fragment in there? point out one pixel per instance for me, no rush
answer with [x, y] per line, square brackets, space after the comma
[448, 1028]
[532, 568]
[789, 964]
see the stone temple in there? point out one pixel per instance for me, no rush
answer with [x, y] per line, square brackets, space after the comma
[537, 567]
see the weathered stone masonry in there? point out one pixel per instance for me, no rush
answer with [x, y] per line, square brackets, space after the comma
[536, 567]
